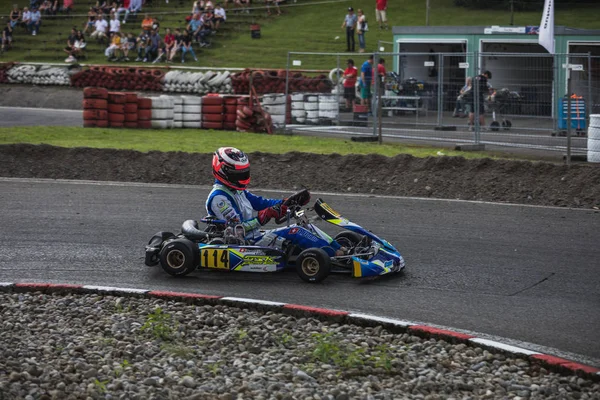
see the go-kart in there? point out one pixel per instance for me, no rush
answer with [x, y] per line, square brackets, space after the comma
[300, 245]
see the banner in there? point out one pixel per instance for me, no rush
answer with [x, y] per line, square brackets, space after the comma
[546, 37]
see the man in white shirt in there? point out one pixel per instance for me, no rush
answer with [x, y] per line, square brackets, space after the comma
[115, 25]
[219, 16]
[101, 25]
[35, 21]
[26, 18]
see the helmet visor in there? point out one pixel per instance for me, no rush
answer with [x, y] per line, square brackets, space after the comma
[240, 176]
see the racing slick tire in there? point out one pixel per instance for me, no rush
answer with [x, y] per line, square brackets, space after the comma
[177, 257]
[313, 265]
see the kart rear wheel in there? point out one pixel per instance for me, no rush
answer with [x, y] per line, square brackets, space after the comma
[177, 257]
[313, 265]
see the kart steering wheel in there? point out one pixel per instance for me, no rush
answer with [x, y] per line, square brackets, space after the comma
[294, 203]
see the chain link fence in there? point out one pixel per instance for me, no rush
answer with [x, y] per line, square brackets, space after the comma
[441, 97]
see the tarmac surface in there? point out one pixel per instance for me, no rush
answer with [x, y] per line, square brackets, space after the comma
[524, 273]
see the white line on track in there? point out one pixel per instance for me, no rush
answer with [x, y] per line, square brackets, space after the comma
[40, 109]
[357, 195]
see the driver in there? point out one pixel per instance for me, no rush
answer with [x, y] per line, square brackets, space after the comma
[229, 200]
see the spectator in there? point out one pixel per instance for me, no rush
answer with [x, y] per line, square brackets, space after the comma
[268, 2]
[26, 18]
[186, 46]
[195, 8]
[71, 41]
[463, 101]
[15, 16]
[111, 51]
[91, 18]
[220, 16]
[67, 7]
[194, 26]
[176, 46]
[366, 75]
[243, 4]
[35, 21]
[380, 13]
[46, 8]
[207, 29]
[79, 46]
[75, 45]
[484, 89]
[142, 42]
[167, 44]
[147, 23]
[152, 46]
[124, 7]
[361, 28]
[350, 25]
[115, 25]
[101, 27]
[7, 36]
[128, 43]
[135, 6]
[350, 75]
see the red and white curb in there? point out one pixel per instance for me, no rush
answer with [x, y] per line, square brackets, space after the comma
[395, 325]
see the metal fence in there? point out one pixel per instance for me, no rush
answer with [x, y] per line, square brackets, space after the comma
[425, 97]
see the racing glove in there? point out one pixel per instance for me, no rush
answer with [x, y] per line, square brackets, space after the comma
[278, 211]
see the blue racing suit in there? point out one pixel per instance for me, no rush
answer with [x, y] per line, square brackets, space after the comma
[237, 207]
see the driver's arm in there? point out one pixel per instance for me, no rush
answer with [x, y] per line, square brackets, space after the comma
[221, 207]
[260, 203]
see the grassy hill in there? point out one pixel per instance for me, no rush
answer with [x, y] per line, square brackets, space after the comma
[307, 25]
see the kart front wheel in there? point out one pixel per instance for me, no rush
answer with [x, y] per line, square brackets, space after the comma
[313, 265]
[348, 239]
[177, 258]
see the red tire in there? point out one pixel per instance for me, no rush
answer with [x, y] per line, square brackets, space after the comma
[89, 123]
[212, 109]
[240, 114]
[229, 118]
[144, 103]
[145, 124]
[242, 124]
[117, 98]
[246, 110]
[102, 123]
[116, 108]
[95, 93]
[131, 117]
[114, 124]
[94, 114]
[212, 101]
[116, 118]
[230, 101]
[212, 125]
[212, 118]
[130, 124]
[94, 104]
[230, 109]
[144, 115]
[130, 97]
[131, 108]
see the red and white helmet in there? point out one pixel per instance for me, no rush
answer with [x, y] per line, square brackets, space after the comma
[231, 167]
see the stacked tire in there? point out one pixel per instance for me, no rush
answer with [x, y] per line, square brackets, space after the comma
[230, 112]
[212, 112]
[131, 110]
[116, 109]
[593, 140]
[297, 108]
[191, 111]
[144, 112]
[162, 112]
[311, 106]
[278, 107]
[95, 103]
[177, 112]
[329, 108]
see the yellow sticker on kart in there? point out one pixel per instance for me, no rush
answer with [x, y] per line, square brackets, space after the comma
[214, 258]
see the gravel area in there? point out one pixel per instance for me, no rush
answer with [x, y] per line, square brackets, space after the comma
[57, 346]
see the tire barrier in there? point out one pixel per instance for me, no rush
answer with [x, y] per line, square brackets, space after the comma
[144, 113]
[162, 112]
[95, 113]
[593, 141]
[212, 112]
[279, 109]
[191, 112]
[197, 82]
[4, 71]
[119, 78]
[329, 108]
[273, 81]
[230, 112]
[250, 118]
[311, 106]
[130, 108]
[297, 106]
[116, 109]
[39, 75]
[177, 112]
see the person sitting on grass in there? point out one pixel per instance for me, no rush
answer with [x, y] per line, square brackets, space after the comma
[35, 22]
[111, 51]
[165, 48]
[25, 19]
[141, 43]
[67, 7]
[194, 26]
[147, 23]
[186, 46]
[206, 29]
[15, 16]
[115, 25]
[276, 2]
[75, 45]
[91, 18]
[123, 7]
[128, 43]
[71, 41]
[153, 46]
[46, 7]
[176, 45]
[220, 16]
[7, 36]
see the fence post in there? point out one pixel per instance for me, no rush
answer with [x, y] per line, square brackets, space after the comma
[287, 83]
[374, 95]
[475, 83]
[337, 89]
[440, 91]
[568, 111]
[589, 103]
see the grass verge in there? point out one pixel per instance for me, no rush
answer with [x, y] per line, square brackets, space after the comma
[206, 141]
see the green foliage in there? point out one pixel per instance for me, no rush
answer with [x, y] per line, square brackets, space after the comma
[158, 323]
[121, 368]
[327, 350]
[214, 367]
[285, 338]
[383, 357]
[178, 350]
[100, 386]
[242, 334]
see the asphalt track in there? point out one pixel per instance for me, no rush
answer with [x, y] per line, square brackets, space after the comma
[529, 274]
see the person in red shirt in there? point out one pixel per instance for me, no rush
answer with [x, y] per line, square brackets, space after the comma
[380, 71]
[380, 13]
[350, 75]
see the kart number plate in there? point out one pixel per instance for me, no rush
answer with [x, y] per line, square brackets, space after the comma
[214, 258]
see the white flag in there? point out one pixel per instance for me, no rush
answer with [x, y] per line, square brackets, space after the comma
[546, 37]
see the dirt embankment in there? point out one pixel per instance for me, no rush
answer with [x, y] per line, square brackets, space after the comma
[440, 177]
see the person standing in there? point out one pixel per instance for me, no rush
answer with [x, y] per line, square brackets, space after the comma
[366, 77]
[350, 75]
[361, 28]
[350, 25]
[381, 13]
[483, 90]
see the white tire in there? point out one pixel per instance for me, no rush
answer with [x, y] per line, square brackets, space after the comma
[162, 114]
[191, 100]
[195, 109]
[593, 145]
[159, 124]
[177, 124]
[297, 97]
[297, 105]
[299, 120]
[178, 109]
[594, 132]
[273, 99]
[328, 106]
[311, 106]
[178, 117]
[298, 114]
[162, 103]
[335, 75]
[275, 109]
[192, 124]
[327, 98]
[311, 99]
[278, 119]
[191, 117]
[328, 114]
[312, 115]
